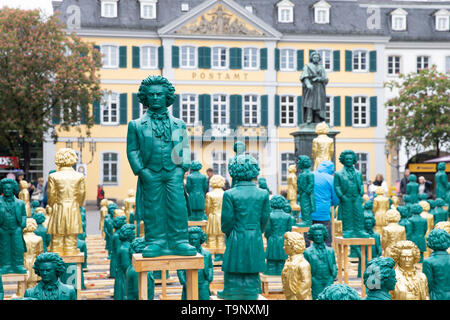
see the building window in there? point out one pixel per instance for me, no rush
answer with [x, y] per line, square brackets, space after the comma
[188, 57]
[285, 11]
[360, 60]
[188, 108]
[219, 109]
[219, 163]
[148, 9]
[250, 58]
[422, 62]
[329, 110]
[109, 9]
[249, 9]
[362, 164]
[110, 165]
[219, 57]
[110, 56]
[287, 59]
[360, 112]
[287, 158]
[326, 58]
[110, 109]
[185, 7]
[250, 110]
[321, 12]
[393, 65]
[398, 19]
[287, 110]
[148, 57]
[442, 19]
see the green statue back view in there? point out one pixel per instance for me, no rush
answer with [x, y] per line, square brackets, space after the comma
[305, 190]
[379, 278]
[196, 187]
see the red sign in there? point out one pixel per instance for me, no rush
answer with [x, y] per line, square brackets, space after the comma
[7, 162]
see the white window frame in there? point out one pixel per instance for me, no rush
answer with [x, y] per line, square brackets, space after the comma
[152, 5]
[442, 15]
[194, 62]
[294, 108]
[189, 104]
[360, 52]
[321, 51]
[149, 66]
[227, 108]
[251, 123]
[360, 113]
[106, 56]
[142, 110]
[106, 102]
[331, 110]
[287, 163]
[227, 57]
[104, 3]
[285, 6]
[422, 62]
[220, 162]
[102, 176]
[367, 162]
[255, 62]
[393, 62]
[283, 51]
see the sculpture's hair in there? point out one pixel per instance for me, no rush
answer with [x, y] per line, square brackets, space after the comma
[243, 168]
[445, 225]
[379, 190]
[412, 178]
[368, 205]
[23, 184]
[425, 205]
[277, 202]
[287, 208]
[111, 208]
[416, 208]
[137, 245]
[339, 291]
[119, 222]
[292, 168]
[369, 215]
[195, 165]
[304, 162]
[295, 240]
[39, 217]
[432, 203]
[152, 81]
[439, 202]
[399, 246]
[438, 240]
[217, 181]
[379, 269]
[407, 198]
[199, 230]
[347, 152]
[441, 166]
[317, 226]
[35, 203]
[31, 225]
[126, 232]
[392, 216]
[131, 193]
[238, 143]
[65, 157]
[322, 128]
[6, 181]
[51, 257]
[104, 202]
[404, 212]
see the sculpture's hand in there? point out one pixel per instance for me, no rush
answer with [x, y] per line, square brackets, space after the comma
[144, 174]
[309, 86]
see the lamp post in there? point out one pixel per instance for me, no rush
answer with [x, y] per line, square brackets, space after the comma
[80, 141]
[396, 163]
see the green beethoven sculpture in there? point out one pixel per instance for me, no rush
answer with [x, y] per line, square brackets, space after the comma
[404, 221]
[441, 181]
[118, 223]
[348, 184]
[368, 207]
[279, 223]
[437, 267]
[34, 205]
[379, 278]
[245, 212]
[41, 230]
[412, 189]
[305, 190]
[196, 187]
[321, 258]
[369, 224]
[205, 276]
[239, 149]
[262, 183]
[339, 291]
[159, 154]
[126, 235]
[440, 214]
[109, 227]
[419, 227]
[50, 267]
[13, 218]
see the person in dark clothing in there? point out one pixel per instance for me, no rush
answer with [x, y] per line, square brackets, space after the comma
[100, 195]
[209, 174]
[404, 182]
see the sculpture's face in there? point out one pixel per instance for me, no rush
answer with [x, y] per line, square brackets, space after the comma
[318, 237]
[368, 224]
[156, 95]
[195, 240]
[348, 160]
[8, 190]
[240, 148]
[288, 247]
[47, 272]
[315, 58]
[406, 259]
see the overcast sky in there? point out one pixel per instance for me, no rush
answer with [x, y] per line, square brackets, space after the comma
[45, 5]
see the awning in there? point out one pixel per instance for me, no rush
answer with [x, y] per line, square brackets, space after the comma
[440, 159]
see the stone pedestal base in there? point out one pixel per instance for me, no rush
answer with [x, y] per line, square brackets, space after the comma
[79, 260]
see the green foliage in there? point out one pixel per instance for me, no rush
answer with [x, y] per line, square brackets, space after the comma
[421, 116]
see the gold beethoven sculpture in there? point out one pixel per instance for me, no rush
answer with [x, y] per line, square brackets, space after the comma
[430, 222]
[445, 225]
[395, 202]
[24, 195]
[322, 145]
[213, 209]
[129, 204]
[365, 198]
[103, 213]
[66, 191]
[296, 274]
[411, 284]
[380, 207]
[292, 187]
[393, 232]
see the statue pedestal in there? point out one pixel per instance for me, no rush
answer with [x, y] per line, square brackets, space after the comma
[266, 280]
[189, 263]
[78, 260]
[19, 278]
[201, 224]
[342, 247]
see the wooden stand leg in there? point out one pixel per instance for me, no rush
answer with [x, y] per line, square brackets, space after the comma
[163, 284]
[79, 281]
[339, 258]
[363, 267]
[143, 286]
[346, 264]
[191, 284]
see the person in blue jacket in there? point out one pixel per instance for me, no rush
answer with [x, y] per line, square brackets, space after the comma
[325, 195]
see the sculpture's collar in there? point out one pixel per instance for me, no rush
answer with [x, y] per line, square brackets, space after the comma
[245, 183]
[66, 169]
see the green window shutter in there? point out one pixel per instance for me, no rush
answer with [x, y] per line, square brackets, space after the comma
[56, 119]
[235, 110]
[337, 111]
[135, 105]
[300, 59]
[336, 60]
[348, 60]
[205, 110]
[348, 111]
[373, 61]
[373, 111]
[175, 57]
[204, 57]
[264, 110]
[96, 111]
[136, 57]
[160, 57]
[277, 59]
[263, 59]
[176, 106]
[97, 47]
[277, 110]
[235, 58]
[299, 111]
[123, 108]
[122, 56]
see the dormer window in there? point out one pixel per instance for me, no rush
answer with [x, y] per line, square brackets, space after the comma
[148, 9]
[442, 19]
[249, 9]
[285, 11]
[399, 20]
[322, 12]
[109, 8]
[185, 7]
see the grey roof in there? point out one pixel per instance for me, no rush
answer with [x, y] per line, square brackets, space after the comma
[347, 17]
